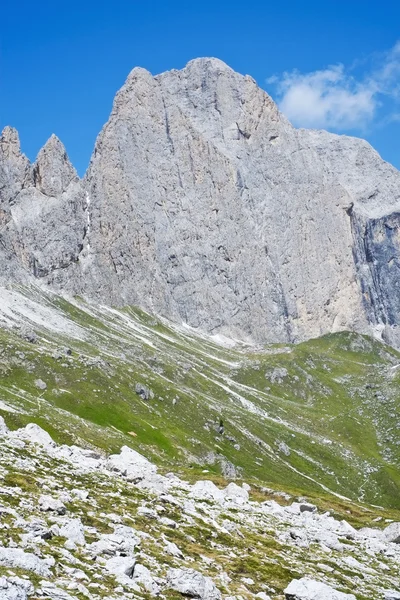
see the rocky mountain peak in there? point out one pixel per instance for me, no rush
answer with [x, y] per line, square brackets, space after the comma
[9, 143]
[52, 171]
[14, 166]
[209, 63]
[203, 204]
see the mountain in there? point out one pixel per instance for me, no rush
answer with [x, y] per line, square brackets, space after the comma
[203, 204]
[189, 403]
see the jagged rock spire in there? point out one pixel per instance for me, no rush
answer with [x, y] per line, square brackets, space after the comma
[14, 166]
[9, 143]
[52, 171]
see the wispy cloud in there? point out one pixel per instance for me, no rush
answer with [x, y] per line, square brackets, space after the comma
[338, 98]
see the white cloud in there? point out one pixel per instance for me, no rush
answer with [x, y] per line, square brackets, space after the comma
[334, 98]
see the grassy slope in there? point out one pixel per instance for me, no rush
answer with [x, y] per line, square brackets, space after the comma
[337, 408]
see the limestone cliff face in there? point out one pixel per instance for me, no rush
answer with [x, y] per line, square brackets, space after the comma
[42, 211]
[202, 203]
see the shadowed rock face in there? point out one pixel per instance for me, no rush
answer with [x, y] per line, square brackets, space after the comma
[202, 203]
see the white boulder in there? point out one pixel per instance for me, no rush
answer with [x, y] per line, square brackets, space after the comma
[236, 493]
[392, 533]
[189, 582]
[74, 532]
[3, 428]
[15, 588]
[35, 434]
[122, 566]
[391, 595]
[172, 549]
[50, 504]
[131, 464]
[207, 490]
[124, 540]
[308, 589]
[143, 577]
[15, 558]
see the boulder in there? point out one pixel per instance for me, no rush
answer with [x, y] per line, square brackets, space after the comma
[172, 549]
[131, 464]
[236, 493]
[37, 435]
[284, 448]
[307, 507]
[144, 392]
[392, 533]
[189, 582]
[143, 577]
[15, 588]
[121, 566]
[308, 589]
[3, 427]
[50, 504]
[391, 595]
[15, 558]
[74, 532]
[207, 490]
[277, 375]
[40, 384]
[123, 541]
[50, 590]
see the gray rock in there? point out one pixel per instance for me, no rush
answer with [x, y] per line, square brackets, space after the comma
[74, 532]
[207, 490]
[34, 433]
[132, 464]
[3, 427]
[122, 566]
[15, 558]
[277, 375]
[50, 504]
[172, 549]
[123, 541]
[168, 522]
[189, 582]
[28, 334]
[284, 448]
[236, 493]
[149, 513]
[194, 206]
[143, 577]
[40, 384]
[144, 392]
[391, 595]
[308, 589]
[49, 590]
[391, 533]
[52, 172]
[15, 588]
[307, 507]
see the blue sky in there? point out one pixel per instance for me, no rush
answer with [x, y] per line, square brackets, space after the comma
[332, 64]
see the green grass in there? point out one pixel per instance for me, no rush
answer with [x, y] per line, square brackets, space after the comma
[338, 408]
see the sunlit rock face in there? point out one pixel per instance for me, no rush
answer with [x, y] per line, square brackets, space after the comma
[202, 203]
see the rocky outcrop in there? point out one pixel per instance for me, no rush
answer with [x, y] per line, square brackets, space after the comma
[113, 539]
[193, 584]
[308, 589]
[202, 203]
[42, 221]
